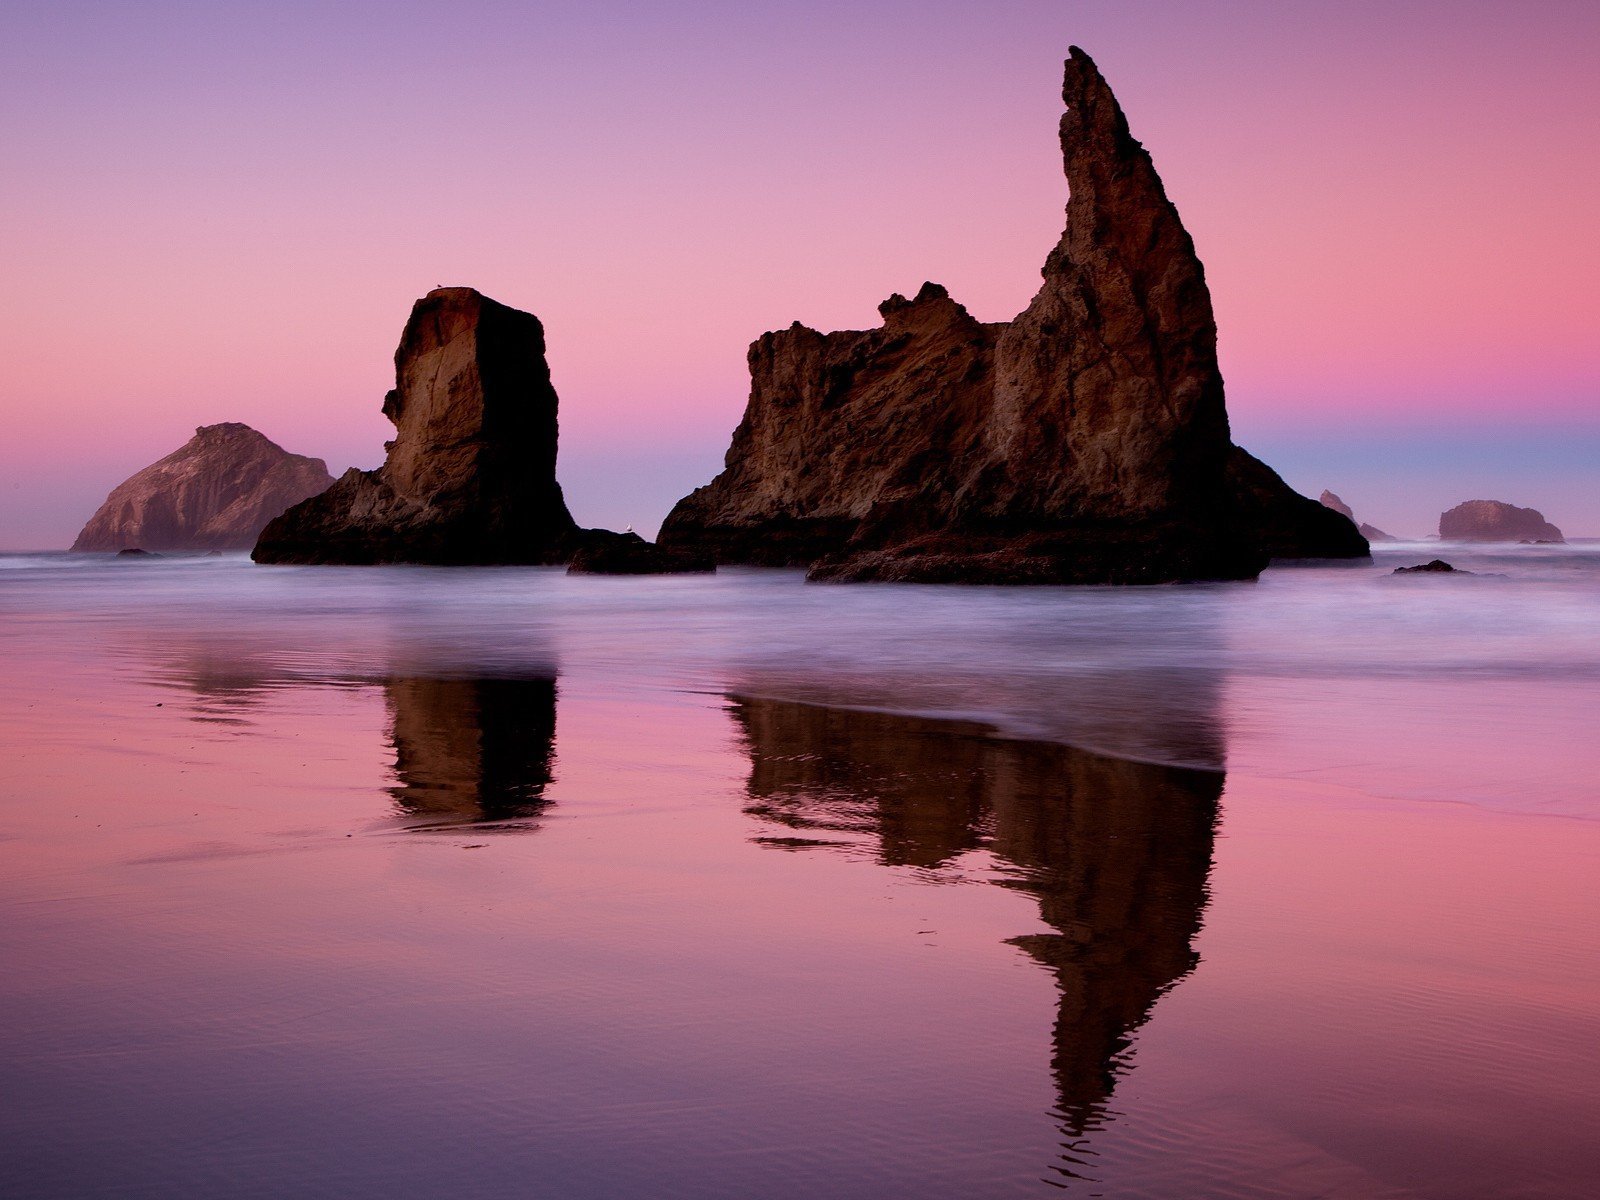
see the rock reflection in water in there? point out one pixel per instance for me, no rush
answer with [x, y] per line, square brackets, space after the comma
[1116, 853]
[472, 750]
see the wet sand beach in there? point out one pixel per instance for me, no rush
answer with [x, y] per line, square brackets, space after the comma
[347, 883]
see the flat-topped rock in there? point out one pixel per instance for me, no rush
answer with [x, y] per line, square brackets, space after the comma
[1085, 441]
[470, 475]
[215, 492]
[1494, 521]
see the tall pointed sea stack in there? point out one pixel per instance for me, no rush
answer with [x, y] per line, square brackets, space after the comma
[215, 492]
[471, 474]
[1085, 441]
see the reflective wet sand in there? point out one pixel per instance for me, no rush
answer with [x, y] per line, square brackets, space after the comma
[409, 911]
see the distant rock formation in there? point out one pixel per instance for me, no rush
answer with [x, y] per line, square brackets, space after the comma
[1436, 566]
[1331, 500]
[471, 474]
[1492, 521]
[1371, 532]
[215, 492]
[1085, 441]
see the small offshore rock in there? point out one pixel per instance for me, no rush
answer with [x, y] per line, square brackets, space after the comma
[601, 552]
[1436, 566]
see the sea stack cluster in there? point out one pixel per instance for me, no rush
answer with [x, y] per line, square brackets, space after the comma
[1085, 441]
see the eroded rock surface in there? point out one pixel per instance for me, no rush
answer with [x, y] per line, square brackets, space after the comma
[215, 492]
[471, 474]
[1085, 441]
[1494, 521]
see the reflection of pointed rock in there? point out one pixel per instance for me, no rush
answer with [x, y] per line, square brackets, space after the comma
[215, 492]
[471, 474]
[472, 749]
[1084, 441]
[1116, 853]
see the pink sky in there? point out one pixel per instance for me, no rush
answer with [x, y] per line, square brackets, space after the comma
[224, 213]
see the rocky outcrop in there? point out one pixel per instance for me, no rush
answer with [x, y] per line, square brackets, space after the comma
[1085, 441]
[601, 552]
[1436, 566]
[471, 474]
[1493, 521]
[1371, 532]
[215, 492]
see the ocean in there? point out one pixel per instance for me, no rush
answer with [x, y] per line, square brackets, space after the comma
[493, 882]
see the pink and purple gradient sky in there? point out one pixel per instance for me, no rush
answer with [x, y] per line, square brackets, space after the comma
[223, 212]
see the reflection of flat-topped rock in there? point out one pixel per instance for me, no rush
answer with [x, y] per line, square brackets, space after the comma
[1115, 853]
[1085, 441]
[1494, 521]
[472, 749]
[471, 474]
[215, 492]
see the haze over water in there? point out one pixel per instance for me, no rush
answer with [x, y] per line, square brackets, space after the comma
[411, 882]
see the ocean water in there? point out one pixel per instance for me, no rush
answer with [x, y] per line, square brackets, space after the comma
[494, 882]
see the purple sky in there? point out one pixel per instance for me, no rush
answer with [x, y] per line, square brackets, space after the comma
[224, 211]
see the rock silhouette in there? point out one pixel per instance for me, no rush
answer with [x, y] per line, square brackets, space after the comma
[1494, 521]
[215, 492]
[1085, 441]
[1371, 532]
[470, 476]
[601, 552]
[1115, 853]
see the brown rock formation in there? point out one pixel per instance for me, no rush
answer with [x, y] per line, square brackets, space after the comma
[215, 492]
[1493, 521]
[470, 476]
[1371, 532]
[1085, 441]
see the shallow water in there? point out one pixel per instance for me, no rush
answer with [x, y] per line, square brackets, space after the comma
[410, 882]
